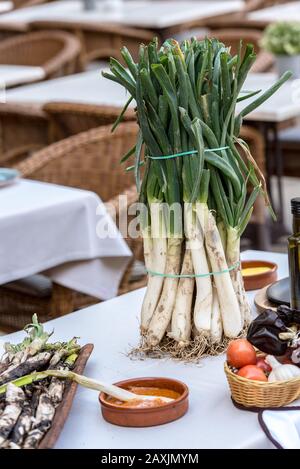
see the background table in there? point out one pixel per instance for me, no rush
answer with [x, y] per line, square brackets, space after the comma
[12, 75]
[159, 16]
[52, 229]
[5, 6]
[92, 88]
[283, 106]
[284, 12]
[88, 87]
[113, 326]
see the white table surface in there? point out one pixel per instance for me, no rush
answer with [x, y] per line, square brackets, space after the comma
[113, 326]
[143, 14]
[92, 88]
[283, 105]
[12, 75]
[5, 6]
[88, 87]
[45, 227]
[284, 12]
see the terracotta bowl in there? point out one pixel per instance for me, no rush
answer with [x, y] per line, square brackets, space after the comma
[257, 281]
[128, 417]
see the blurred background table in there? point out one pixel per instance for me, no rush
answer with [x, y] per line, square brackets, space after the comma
[12, 75]
[212, 420]
[163, 17]
[286, 12]
[91, 88]
[5, 6]
[87, 87]
[279, 110]
[282, 106]
[52, 229]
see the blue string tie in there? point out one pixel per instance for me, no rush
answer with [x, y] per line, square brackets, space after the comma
[185, 153]
[209, 274]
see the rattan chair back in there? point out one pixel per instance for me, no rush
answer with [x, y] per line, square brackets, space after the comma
[68, 119]
[57, 52]
[100, 41]
[90, 160]
[23, 130]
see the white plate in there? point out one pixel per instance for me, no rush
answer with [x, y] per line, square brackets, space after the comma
[8, 176]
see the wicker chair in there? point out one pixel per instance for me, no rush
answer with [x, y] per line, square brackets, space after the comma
[27, 3]
[99, 41]
[23, 130]
[82, 161]
[232, 37]
[90, 160]
[252, 5]
[56, 52]
[68, 119]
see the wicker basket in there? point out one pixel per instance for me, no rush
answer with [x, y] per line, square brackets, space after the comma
[250, 393]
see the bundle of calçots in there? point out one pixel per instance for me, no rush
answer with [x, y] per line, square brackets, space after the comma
[28, 397]
[186, 98]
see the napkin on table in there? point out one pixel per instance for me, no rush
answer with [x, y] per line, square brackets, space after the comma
[282, 426]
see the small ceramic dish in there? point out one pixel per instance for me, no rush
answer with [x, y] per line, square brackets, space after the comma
[257, 280]
[151, 416]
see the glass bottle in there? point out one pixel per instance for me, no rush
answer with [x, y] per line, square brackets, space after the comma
[294, 255]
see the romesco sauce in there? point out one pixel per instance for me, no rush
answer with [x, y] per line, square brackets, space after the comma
[144, 403]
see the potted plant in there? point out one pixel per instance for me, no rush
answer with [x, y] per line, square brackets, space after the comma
[283, 40]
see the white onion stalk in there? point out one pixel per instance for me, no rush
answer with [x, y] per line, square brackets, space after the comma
[233, 258]
[163, 312]
[157, 263]
[216, 320]
[204, 295]
[148, 247]
[181, 317]
[223, 234]
[230, 311]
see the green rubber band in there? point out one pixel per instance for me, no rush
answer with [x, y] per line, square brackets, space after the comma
[209, 274]
[184, 153]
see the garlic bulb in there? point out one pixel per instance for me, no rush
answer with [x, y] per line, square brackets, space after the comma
[296, 356]
[281, 372]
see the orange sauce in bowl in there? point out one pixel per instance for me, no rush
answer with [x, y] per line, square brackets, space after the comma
[143, 403]
[249, 271]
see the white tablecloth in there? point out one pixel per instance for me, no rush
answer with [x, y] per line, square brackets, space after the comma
[142, 14]
[92, 88]
[88, 87]
[5, 6]
[283, 105]
[44, 227]
[113, 326]
[285, 12]
[12, 75]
